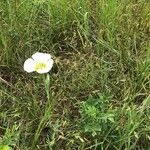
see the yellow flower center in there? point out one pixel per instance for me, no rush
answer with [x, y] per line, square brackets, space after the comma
[40, 66]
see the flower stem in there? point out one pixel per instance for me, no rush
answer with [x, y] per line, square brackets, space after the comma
[47, 113]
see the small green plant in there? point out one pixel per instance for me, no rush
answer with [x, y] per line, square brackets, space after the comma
[95, 114]
[10, 138]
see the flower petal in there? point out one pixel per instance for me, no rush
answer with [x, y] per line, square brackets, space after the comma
[49, 65]
[38, 56]
[29, 65]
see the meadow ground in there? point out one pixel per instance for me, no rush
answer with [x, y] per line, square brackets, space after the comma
[99, 84]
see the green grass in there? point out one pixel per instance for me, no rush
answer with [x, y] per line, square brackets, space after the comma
[99, 84]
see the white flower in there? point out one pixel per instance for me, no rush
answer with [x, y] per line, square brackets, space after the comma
[39, 62]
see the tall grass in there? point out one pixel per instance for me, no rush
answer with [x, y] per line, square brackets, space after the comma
[99, 83]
